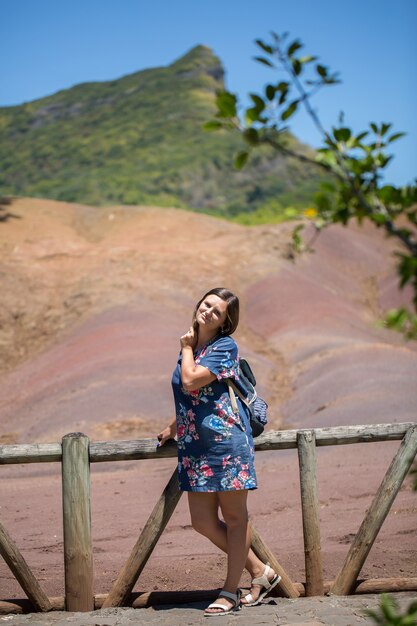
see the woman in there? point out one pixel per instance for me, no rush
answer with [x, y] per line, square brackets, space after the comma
[215, 446]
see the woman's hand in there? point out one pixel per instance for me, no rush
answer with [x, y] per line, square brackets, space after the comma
[168, 433]
[189, 339]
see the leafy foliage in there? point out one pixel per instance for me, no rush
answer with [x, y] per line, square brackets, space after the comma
[354, 162]
[389, 613]
[139, 140]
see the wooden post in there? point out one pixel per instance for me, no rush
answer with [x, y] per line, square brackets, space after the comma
[24, 576]
[78, 553]
[144, 546]
[306, 443]
[376, 514]
[285, 585]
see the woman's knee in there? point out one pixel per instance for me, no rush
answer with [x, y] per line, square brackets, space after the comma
[234, 509]
[203, 525]
[235, 518]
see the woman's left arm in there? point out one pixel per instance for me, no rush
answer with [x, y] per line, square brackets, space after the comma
[193, 376]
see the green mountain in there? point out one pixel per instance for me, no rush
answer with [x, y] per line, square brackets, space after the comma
[139, 140]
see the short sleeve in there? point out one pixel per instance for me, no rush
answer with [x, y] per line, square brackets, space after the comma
[221, 358]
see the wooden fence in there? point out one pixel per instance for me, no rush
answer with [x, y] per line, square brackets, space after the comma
[75, 454]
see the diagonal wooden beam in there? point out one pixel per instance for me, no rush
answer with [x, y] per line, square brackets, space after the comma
[376, 514]
[285, 585]
[146, 543]
[22, 572]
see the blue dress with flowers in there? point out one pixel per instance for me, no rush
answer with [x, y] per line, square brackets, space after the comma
[215, 446]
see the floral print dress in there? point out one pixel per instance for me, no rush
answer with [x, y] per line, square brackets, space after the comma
[215, 446]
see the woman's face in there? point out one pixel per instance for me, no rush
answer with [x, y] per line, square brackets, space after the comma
[212, 312]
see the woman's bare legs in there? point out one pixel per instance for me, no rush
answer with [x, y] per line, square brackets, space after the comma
[232, 537]
[235, 515]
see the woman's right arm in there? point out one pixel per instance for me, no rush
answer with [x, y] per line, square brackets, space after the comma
[168, 433]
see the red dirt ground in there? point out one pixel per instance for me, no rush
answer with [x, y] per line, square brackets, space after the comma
[93, 304]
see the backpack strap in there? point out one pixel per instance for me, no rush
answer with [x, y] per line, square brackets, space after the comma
[232, 396]
[232, 391]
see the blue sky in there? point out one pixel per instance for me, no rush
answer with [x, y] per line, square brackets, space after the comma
[48, 45]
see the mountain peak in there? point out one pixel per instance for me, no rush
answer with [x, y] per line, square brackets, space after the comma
[200, 60]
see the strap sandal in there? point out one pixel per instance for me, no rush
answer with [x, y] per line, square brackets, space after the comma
[223, 610]
[266, 587]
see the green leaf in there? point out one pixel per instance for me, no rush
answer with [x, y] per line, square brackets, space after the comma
[297, 240]
[282, 86]
[296, 45]
[212, 125]
[283, 97]
[341, 215]
[257, 101]
[252, 115]
[361, 136]
[264, 61]
[407, 268]
[387, 606]
[385, 128]
[378, 218]
[296, 65]
[327, 157]
[290, 110]
[270, 92]
[307, 59]
[333, 80]
[389, 194]
[251, 136]
[396, 136]
[264, 46]
[382, 160]
[395, 317]
[321, 70]
[374, 127]
[241, 159]
[342, 134]
[226, 104]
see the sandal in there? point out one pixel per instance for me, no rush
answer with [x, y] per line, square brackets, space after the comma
[234, 597]
[267, 586]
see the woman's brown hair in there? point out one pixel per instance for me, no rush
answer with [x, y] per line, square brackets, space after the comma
[232, 312]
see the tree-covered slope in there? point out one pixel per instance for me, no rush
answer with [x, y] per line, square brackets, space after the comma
[139, 139]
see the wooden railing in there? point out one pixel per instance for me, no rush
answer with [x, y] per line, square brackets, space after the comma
[75, 454]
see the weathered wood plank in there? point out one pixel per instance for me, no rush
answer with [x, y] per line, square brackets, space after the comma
[285, 586]
[147, 541]
[143, 599]
[138, 449]
[30, 453]
[23, 574]
[334, 435]
[376, 514]
[272, 440]
[310, 512]
[78, 553]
